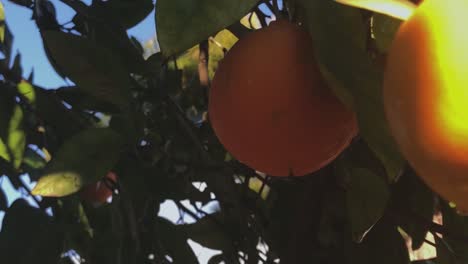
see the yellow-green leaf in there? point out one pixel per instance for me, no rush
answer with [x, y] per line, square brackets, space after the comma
[84, 158]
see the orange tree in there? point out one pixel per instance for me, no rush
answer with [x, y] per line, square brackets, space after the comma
[134, 131]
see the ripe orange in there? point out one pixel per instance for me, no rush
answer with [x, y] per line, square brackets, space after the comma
[98, 193]
[270, 107]
[426, 96]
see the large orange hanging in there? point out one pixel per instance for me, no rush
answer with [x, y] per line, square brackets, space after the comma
[270, 107]
[426, 95]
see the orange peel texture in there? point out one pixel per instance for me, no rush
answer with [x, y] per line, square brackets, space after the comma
[270, 107]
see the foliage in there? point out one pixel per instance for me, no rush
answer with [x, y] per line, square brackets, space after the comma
[145, 118]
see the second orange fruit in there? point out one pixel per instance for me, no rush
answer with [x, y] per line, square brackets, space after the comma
[270, 107]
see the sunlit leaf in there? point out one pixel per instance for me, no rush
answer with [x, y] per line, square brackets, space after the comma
[84, 158]
[12, 135]
[251, 21]
[2, 23]
[182, 24]
[27, 91]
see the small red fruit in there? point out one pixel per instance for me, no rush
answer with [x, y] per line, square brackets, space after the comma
[98, 193]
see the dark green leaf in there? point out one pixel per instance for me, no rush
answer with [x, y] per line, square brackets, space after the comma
[78, 98]
[83, 159]
[384, 29]
[29, 236]
[174, 242]
[410, 196]
[33, 164]
[127, 12]
[3, 201]
[49, 108]
[137, 45]
[25, 3]
[209, 232]
[456, 227]
[383, 245]
[6, 38]
[7, 105]
[339, 35]
[154, 63]
[16, 68]
[216, 259]
[367, 188]
[366, 198]
[182, 24]
[95, 69]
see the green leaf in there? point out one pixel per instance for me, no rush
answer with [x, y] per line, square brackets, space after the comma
[29, 236]
[2, 23]
[456, 227]
[83, 159]
[154, 63]
[384, 29]
[12, 135]
[216, 259]
[383, 245]
[411, 196]
[6, 38]
[51, 109]
[7, 105]
[128, 12]
[174, 241]
[27, 91]
[33, 164]
[16, 68]
[366, 199]
[79, 99]
[95, 69]
[339, 35]
[209, 232]
[25, 3]
[182, 24]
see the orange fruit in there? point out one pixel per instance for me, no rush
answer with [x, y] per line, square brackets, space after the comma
[98, 193]
[426, 95]
[270, 107]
